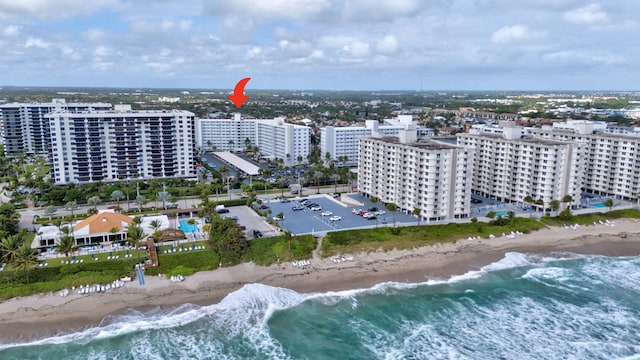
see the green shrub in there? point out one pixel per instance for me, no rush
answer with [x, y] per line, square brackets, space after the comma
[266, 251]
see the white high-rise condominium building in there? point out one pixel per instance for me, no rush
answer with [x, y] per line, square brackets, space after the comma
[121, 144]
[225, 134]
[343, 141]
[275, 138]
[25, 127]
[432, 176]
[509, 167]
[613, 161]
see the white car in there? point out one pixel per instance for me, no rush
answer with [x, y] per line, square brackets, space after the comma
[316, 208]
[326, 213]
[335, 218]
[380, 212]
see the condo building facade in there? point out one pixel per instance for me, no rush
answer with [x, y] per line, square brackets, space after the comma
[510, 166]
[121, 144]
[26, 129]
[612, 166]
[428, 175]
[340, 142]
[275, 138]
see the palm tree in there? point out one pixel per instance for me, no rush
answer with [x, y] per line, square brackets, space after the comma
[116, 196]
[280, 216]
[335, 177]
[71, 205]
[566, 199]
[511, 215]
[155, 225]
[540, 202]
[135, 234]
[94, 201]
[50, 210]
[25, 258]
[416, 212]
[317, 175]
[164, 197]
[67, 244]
[491, 215]
[555, 205]
[608, 203]
[8, 247]
[528, 199]
[141, 200]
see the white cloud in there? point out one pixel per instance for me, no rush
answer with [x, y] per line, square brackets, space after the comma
[587, 15]
[387, 45]
[11, 30]
[510, 34]
[71, 54]
[94, 34]
[272, 9]
[36, 42]
[357, 49]
[184, 25]
[47, 9]
[367, 10]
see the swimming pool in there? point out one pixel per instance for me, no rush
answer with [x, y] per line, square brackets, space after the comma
[599, 205]
[188, 228]
[502, 213]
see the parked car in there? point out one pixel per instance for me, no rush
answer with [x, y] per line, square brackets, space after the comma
[326, 213]
[356, 211]
[294, 192]
[380, 212]
[275, 218]
[263, 207]
[297, 208]
[257, 234]
[476, 201]
[335, 218]
[284, 200]
[316, 208]
[310, 205]
[222, 211]
[373, 209]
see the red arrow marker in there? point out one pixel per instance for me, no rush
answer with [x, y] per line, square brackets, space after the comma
[238, 98]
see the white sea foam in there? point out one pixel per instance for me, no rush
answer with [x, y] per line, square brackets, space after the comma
[246, 311]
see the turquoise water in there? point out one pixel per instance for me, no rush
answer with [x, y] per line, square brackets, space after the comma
[599, 205]
[186, 227]
[502, 213]
[522, 307]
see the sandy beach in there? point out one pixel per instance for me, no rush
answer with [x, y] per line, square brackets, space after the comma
[33, 317]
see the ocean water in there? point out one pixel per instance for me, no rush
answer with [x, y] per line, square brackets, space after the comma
[560, 306]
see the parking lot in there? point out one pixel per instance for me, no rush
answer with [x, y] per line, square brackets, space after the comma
[251, 221]
[307, 221]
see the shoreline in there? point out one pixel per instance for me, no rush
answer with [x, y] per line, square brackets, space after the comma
[40, 316]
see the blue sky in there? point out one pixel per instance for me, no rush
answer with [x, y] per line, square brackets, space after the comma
[322, 44]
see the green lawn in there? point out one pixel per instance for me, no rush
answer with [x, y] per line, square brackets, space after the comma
[266, 251]
[369, 240]
[56, 276]
[185, 263]
[588, 219]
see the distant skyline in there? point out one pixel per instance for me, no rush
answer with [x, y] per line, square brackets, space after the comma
[322, 44]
